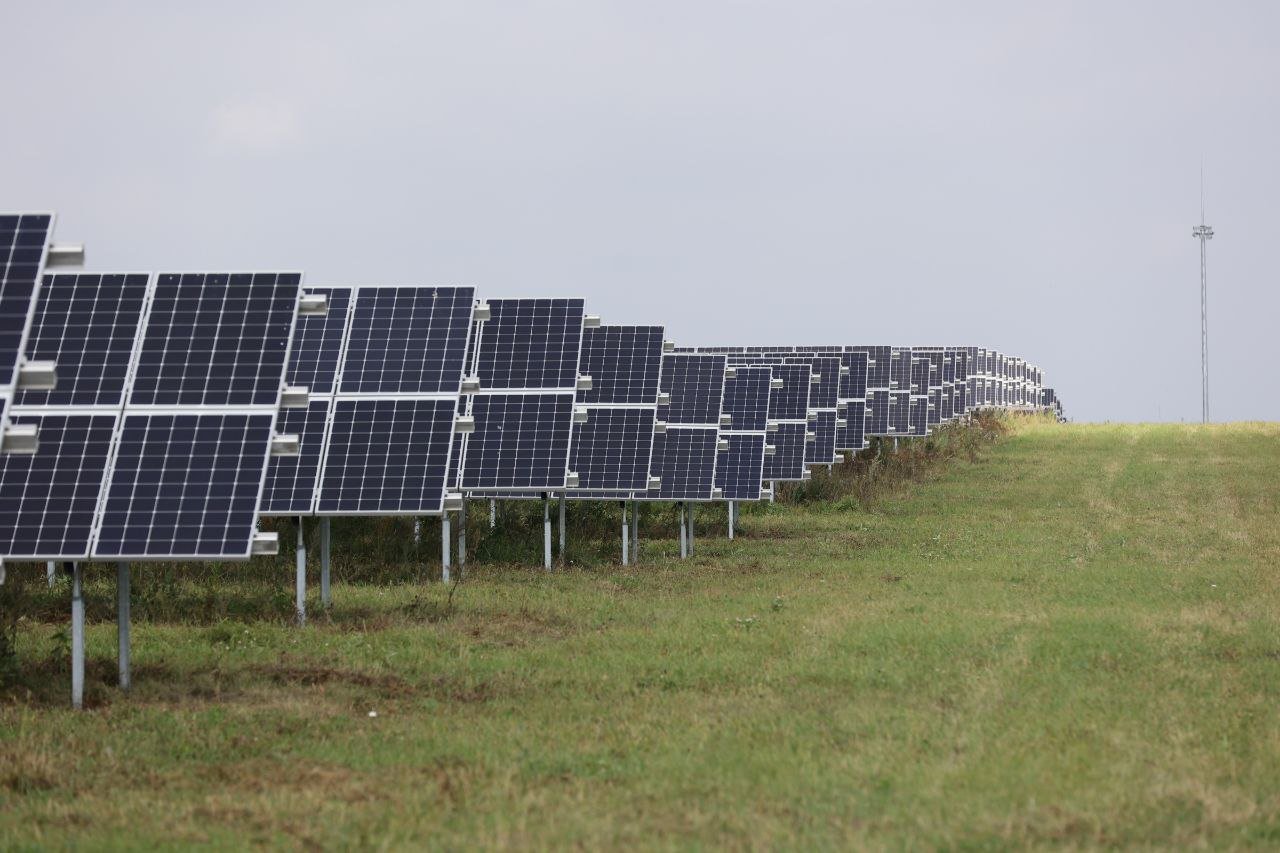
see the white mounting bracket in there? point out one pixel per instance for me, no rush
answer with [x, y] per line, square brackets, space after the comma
[313, 305]
[20, 440]
[37, 376]
[286, 444]
[265, 544]
[295, 397]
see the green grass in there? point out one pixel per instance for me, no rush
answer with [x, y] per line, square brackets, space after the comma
[1071, 641]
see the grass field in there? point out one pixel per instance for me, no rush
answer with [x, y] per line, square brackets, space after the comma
[1071, 641]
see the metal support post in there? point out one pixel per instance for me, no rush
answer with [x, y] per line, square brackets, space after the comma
[444, 547]
[325, 597]
[626, 545]
[122, 624]
[546, 530]
[300, 582]
[77, 635]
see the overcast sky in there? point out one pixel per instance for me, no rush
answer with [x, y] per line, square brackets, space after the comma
[1006, 175]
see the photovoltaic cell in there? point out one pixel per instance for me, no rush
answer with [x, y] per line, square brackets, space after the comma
[611, 451]
[787, 461]
[87, 324]
[24, 238]
[521, 441]
[740, 469]
[48, 500]
[216, 339]
[746, 398]
[696, 386]
[822, 450]
[185, 486]
[387, 456]
[291, 480]
[852, 436]
[530, 344]
[685, 459]
[791, 401]
[317, 343]
[624, 363]
[407, 340]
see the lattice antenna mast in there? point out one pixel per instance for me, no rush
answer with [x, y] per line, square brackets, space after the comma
[1204, 234]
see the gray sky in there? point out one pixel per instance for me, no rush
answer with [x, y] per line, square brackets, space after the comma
[1010, 175]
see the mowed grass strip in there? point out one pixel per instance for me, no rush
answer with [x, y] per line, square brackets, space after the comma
[1071, 641]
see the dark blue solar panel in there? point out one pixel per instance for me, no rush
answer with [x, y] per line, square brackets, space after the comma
[919, 377]
[407, 340]
[746, 398]
[624, 363]
[791, 401]
[530, 344]
[696, 386]
[822, 450]
[521, 441]
[878, 365]
[853, 385]
[48, 500]
[919, 425]
[611, 450]
[787, 461]
[386, 456]
[685, 459]
[216, 339]
[291, 480]
[899, 412]
[185, 486]
[899, 369]
[317, 343]
[86, 324]
[878, 409]
[740, 469]
[852, 436]
[23, 240]
[824, 393]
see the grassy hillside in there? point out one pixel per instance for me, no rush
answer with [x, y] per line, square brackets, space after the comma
[1070, 641]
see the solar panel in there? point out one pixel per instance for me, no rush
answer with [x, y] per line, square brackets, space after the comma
[521, 441]
[852, 436]
[746, 398]
[386, 456]
[740, 468]
[291, 480]
[899, 412]
[685, 459]
[391, 422]
[24, 242]
[216, 339]
[317, 343]
[822, 449]
[791, 401]
[530, 344]
[185, 485]
[49, 500]
[696, 385]
[624, 363]
[314, 363]
[611, 451]
[407, 340]
[87, 324]
[878, 410]
[787, 461]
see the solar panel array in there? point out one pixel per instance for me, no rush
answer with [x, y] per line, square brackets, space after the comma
[157, 440]
[154, 442]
